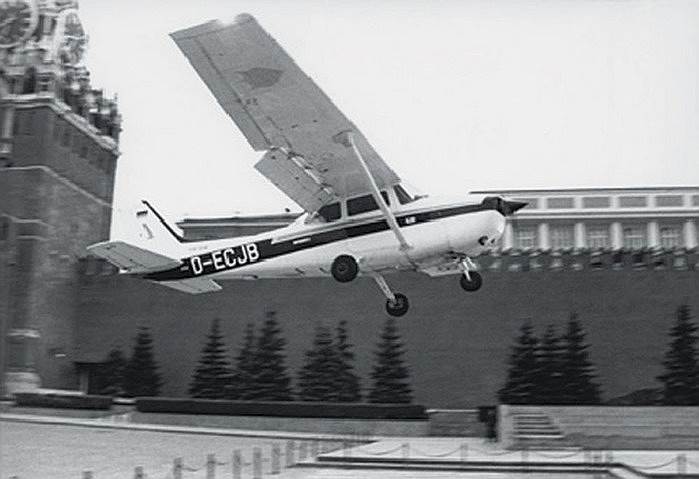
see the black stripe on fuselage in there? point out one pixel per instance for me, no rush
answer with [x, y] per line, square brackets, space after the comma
[240, 255]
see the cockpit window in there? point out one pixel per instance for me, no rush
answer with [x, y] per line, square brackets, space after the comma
[362, 204]
[403, 197]
[330, 212]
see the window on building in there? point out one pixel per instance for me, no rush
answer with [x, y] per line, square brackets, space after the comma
[65, 139]
[57, 129]
[28, 123]
[83, 150]
[668, 200]
[598, 236]
[632, 201]
[17, 124]
[4, 228]
[596, 202]
[670, 236]
[562, 237]
[330, 212]
[525, 237]
[634, 237]
[362, 204]
[695, 200]
[559, 203]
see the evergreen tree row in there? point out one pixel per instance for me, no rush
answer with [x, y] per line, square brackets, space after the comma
[259, 372]
[136, 376]
[680, 380]
[551, 370]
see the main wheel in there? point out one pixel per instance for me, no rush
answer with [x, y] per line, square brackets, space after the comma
[344, 268]
[398, 307]
[475, 283]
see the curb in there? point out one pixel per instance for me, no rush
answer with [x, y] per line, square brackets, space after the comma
[205, 431]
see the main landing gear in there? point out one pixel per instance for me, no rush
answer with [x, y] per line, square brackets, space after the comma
[470, 280]
[344, 269]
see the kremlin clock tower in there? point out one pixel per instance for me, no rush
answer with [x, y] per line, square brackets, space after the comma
[58, 150]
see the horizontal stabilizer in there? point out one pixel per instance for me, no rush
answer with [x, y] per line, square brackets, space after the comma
[193, 285]
[132, 259]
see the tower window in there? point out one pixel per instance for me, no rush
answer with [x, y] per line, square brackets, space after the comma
[57, 129]
[4, 228]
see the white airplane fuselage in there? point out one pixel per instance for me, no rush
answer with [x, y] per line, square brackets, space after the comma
[438, 230]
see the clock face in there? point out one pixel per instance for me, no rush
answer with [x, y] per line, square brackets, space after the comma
[18, 20]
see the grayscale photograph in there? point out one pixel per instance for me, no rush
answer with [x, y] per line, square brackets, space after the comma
[379, 239]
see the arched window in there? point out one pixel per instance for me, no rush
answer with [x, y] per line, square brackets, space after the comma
[29, 85]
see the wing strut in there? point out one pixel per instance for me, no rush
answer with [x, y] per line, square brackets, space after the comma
[390, 218]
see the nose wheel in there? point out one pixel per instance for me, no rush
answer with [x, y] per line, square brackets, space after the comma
[396, 303]
[470, 280]
[399, 306]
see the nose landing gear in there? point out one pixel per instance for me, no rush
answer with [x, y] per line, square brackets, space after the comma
[470, 280]
[396, 303]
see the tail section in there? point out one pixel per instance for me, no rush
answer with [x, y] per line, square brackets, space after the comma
[132, 259]
[156, 247]
[154, 231]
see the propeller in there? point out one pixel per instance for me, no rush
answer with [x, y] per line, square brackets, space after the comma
[510, 207]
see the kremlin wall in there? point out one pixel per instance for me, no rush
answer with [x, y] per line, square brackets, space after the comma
[456, 343]
[622, 259]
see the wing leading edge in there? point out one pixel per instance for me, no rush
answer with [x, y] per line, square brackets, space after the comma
[281, 111]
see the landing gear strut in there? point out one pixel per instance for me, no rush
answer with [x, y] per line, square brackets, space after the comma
[396, 303]
[470, 280]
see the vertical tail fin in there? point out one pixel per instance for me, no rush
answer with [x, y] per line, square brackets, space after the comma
[155, 233]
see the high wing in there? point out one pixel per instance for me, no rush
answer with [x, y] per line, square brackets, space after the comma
[282, 111]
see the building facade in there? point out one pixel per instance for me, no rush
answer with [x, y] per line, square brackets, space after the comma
[58, 150]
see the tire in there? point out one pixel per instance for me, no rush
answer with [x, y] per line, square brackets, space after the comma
[400, 307]
[344, 268]
[475, 283]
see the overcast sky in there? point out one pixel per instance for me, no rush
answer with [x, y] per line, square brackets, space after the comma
[454, 95]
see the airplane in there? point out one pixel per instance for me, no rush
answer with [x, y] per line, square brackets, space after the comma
[359, 218]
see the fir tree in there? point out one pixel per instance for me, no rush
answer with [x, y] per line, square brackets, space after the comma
[318, 377]
[550, 374]
[212, 374]
[347, 382]
[681, 377]
[243, 381]
[272, 383]
[523, 373]
[141, 377]
[112, 374]
[578, 378]
[391, 377]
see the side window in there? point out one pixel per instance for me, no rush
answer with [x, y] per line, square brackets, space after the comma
[330, 212]
[362, 204]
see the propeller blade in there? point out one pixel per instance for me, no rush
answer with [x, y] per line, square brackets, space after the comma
[514, 206]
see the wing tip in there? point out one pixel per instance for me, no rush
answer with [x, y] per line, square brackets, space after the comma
[211, 26]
